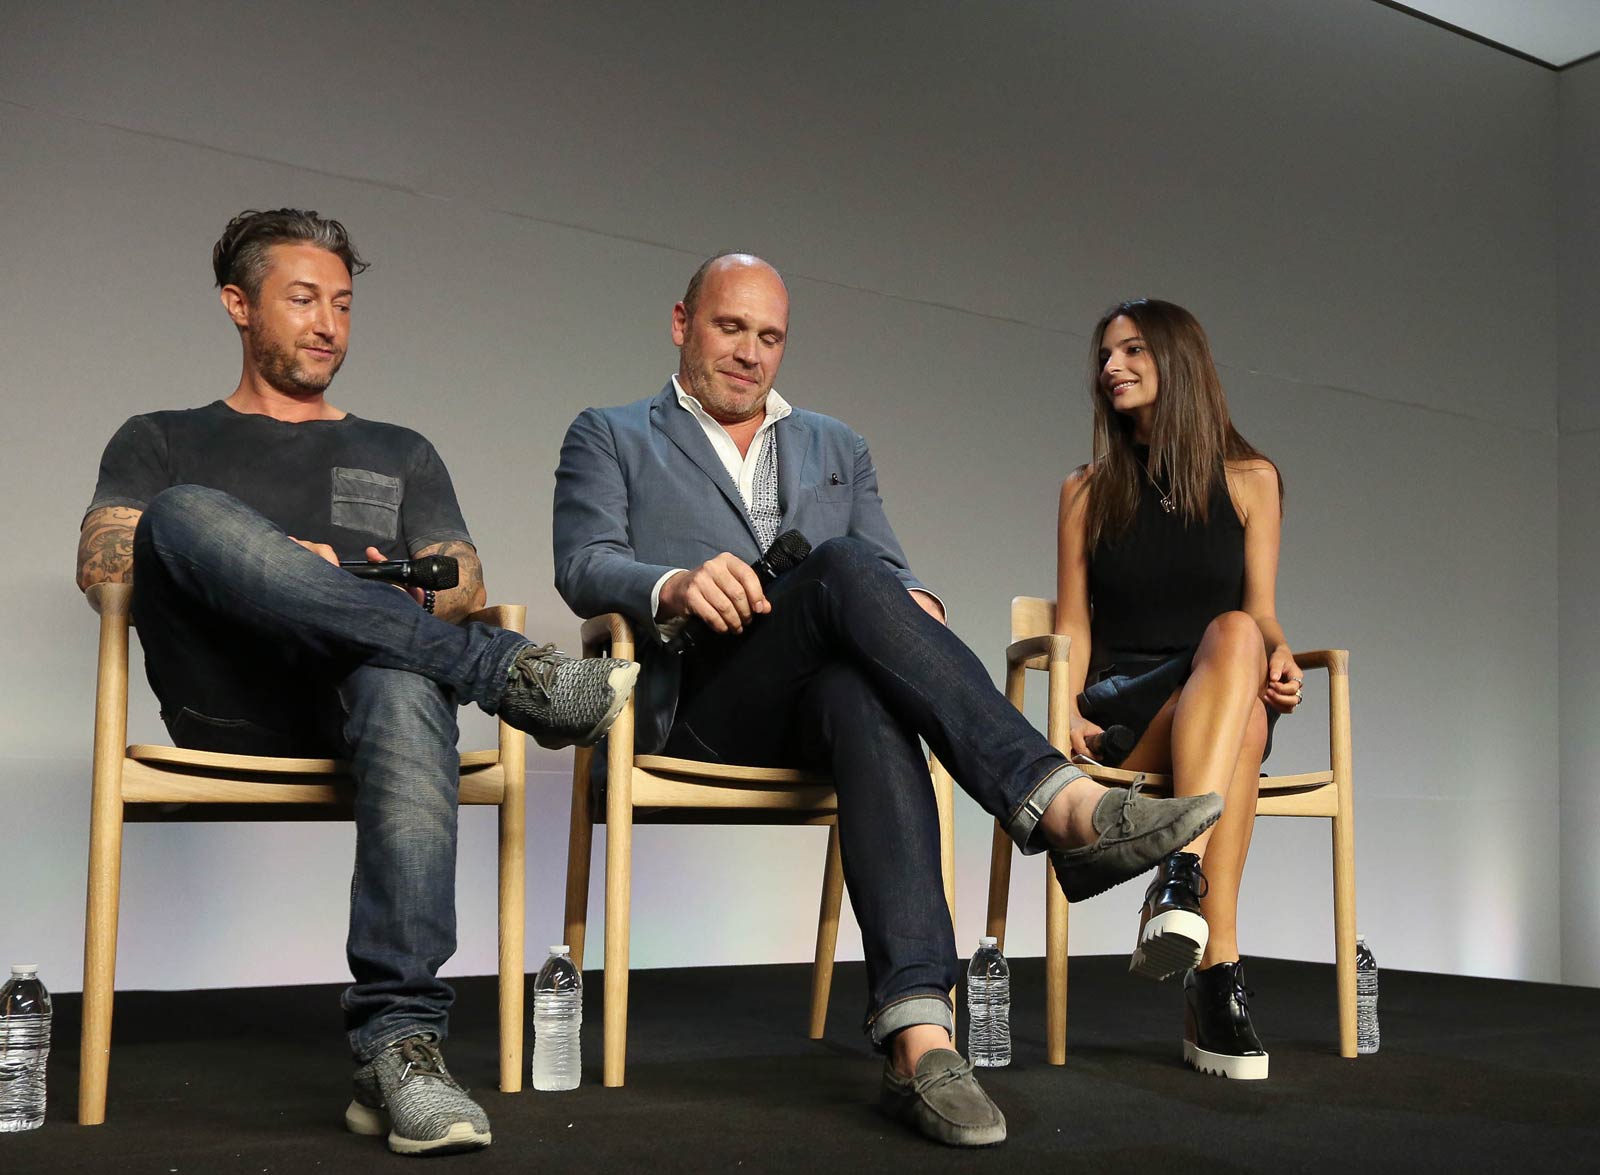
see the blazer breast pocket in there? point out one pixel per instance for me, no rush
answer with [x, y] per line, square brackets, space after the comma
[366, 502]
[830, 495]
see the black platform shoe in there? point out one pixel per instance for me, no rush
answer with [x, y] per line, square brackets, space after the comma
[1172, 932]
[1218, 1037]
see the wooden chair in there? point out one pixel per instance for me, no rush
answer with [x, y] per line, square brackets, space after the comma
[149, 783]
[661, 789]
[1036, 645]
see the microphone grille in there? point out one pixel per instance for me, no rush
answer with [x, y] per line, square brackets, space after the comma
[788, 551]
[435, 572]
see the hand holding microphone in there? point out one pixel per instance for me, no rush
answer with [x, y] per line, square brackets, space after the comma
[430, 572]
[724, 594]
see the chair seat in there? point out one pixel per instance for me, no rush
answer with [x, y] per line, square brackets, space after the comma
[1157, 782]
[175, 775]
[668, 790]
[268, 765]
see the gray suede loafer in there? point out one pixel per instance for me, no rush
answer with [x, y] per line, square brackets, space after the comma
[1136, 832]
[943, 1101]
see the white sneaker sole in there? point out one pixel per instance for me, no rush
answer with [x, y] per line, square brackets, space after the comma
[621, 681]
[1171, 942]
[1223, 1065]
[364, 1120]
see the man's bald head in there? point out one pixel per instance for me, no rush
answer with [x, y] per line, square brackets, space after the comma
[691, 295]
[730, 329]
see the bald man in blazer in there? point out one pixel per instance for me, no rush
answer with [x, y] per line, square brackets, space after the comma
[843, 664]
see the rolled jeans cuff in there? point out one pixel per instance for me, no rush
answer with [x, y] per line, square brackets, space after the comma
[1025, 820]
[907, 1010]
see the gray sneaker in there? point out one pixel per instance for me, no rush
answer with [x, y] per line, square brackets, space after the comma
[943, 1101]
[406, 1091]
[1136, 832]
[562, 700]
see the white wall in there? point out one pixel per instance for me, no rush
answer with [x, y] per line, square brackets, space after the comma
[1358, 205]
[1580, 508]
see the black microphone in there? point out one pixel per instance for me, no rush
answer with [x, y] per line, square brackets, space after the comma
[787, 552]
[1111, 747]
[434, 573]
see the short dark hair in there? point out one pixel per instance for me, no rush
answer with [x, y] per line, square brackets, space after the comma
[691, 295]
[239, 258]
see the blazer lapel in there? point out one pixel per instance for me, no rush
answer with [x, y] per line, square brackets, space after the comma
[684, 431]
[794, 447]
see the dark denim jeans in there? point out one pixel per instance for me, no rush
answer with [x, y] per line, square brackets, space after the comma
[255, 645]
[845, 674]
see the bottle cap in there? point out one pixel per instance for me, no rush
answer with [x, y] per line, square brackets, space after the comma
[21, 969]
[560, 949]
[988, 941]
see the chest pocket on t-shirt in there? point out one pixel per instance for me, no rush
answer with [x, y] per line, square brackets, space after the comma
[367, 502]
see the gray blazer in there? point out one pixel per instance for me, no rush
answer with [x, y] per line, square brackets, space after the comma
[640, 491]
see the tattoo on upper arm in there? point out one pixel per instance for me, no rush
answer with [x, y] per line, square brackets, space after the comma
[467, 595]
[105, 546]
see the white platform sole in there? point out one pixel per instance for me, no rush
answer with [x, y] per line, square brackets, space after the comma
[1223, 1065]
[1171, 942]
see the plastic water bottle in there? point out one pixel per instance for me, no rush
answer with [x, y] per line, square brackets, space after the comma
[24, 1049]
[557, 1017]
[988, 1006]
[1366, 998]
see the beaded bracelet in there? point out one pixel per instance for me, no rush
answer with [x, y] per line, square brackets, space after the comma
[427, 600]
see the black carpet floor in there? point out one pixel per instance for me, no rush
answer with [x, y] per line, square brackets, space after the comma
[1474, 1075]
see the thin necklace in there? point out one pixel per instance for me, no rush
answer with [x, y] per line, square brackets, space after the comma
[1168, 506]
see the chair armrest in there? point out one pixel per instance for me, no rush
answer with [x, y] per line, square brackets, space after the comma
[608, 635]
[1335, 661]
[511, 617]
[1036, 652]
[110, 599]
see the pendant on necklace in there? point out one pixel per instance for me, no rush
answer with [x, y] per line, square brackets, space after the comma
[1168, 506]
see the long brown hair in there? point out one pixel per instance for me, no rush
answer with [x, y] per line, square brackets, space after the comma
[1191, 439]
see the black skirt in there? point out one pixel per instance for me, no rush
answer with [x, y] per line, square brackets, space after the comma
[1130, 692]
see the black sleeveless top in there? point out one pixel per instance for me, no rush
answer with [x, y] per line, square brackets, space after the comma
[1154, 588]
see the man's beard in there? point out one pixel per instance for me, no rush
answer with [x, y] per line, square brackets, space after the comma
[722, 408]
[280, 366]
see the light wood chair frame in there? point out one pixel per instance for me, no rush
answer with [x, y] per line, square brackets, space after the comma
[1328, 793]
[160, 783]
[661, 789]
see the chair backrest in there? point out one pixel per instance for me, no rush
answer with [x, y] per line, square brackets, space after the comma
[1032, 616]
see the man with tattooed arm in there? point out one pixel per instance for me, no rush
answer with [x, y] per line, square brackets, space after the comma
[230, 519]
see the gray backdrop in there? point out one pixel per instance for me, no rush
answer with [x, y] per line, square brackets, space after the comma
[1370, 214]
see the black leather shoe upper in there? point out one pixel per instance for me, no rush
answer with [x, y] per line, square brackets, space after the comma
[1178, 885]
[1219, 1011]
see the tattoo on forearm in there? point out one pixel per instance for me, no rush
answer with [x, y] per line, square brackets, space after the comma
[468, 595]
[105, 546]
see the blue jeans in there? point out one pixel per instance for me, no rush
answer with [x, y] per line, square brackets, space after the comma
[845, 674]
[255, 645]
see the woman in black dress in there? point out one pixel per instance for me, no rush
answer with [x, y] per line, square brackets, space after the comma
[1167, 567]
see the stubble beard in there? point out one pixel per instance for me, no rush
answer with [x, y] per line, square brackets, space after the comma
[722, 408]
[280, 366]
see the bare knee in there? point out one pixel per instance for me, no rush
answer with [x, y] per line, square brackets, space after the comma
[1234, 639]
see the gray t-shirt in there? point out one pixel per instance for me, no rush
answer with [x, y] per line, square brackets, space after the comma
[350, 483]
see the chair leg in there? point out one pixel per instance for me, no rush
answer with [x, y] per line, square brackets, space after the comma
[619, 882]
[513, 932]
[100, 952]
[827, 934]
[1344, 929]
[580, 846]
[1055, 962]
[944, 798]
[999, 885]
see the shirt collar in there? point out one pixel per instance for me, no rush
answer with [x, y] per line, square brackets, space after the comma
[777, 407]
